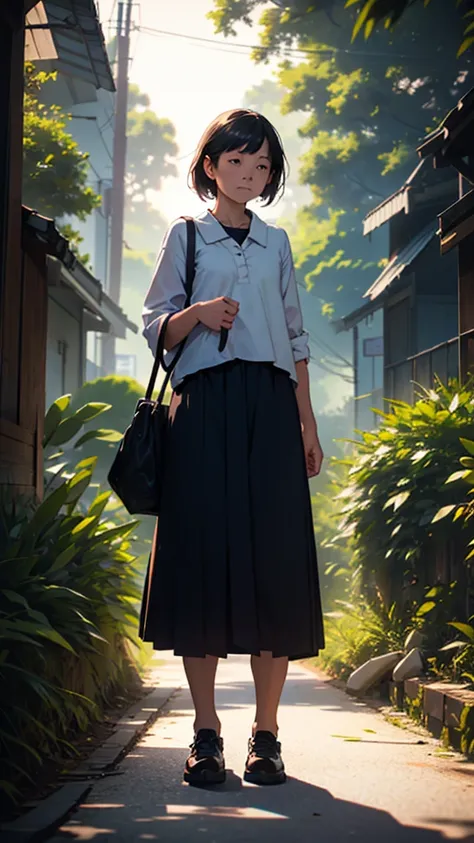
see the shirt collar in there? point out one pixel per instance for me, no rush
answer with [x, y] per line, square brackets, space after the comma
[211, 230]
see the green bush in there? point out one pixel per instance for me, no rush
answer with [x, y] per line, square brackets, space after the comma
[397, 485]
[68, 605]
[394, 505]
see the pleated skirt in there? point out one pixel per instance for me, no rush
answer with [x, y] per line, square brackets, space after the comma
[233, 566]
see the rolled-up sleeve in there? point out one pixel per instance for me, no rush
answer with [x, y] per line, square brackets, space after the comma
[166, 293]
[294, 318]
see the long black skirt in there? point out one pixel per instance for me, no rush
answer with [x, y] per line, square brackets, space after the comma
[233, 565]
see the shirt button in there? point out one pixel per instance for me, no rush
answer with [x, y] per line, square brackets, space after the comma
[239, 254]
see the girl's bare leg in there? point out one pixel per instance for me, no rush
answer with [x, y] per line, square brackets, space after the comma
[201, 676]
[269, 676]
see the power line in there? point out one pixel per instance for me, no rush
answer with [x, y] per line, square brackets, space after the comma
[148, 30]
[324, 346]
[103, 142]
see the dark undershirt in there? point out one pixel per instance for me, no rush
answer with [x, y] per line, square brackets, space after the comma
[238, 234]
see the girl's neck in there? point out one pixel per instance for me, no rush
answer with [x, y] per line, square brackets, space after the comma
[232, 214]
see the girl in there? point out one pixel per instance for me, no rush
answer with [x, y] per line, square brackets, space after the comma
[233, 566]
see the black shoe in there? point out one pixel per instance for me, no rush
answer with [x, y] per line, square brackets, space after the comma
[205, 764]
[264, 762]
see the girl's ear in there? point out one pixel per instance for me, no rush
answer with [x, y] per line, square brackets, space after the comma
[208, 168]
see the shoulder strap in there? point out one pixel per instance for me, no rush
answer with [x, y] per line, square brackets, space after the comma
[190, 272]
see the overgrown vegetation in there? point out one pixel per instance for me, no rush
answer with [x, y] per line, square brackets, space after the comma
[405, 515]
[69, 592]
[55, 170]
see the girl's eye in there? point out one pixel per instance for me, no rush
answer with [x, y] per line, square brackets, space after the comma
[234, 160]
[264, 166]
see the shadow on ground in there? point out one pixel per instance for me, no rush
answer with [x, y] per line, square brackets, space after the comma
[297, 812]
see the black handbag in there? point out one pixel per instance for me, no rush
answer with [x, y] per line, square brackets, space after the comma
[136, 474]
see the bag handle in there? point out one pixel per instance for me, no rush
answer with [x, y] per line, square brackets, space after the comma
[190, 271]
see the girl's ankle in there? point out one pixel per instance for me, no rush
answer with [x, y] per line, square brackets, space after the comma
[207, 723]
[264, 727]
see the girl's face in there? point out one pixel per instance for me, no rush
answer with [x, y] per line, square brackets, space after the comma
[241, 176]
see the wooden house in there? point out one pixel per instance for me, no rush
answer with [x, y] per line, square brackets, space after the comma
[452, 146]
[415, 294]
[36, 266]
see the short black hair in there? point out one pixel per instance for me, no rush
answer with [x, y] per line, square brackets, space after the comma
[240, 129]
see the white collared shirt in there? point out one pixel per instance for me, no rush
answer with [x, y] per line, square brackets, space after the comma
[259, 275]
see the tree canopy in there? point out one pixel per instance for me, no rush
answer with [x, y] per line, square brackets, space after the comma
[151, 147]
[390, 12]
[366, 107]
[55, 170]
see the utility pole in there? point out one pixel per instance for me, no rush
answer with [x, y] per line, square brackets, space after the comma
[124, 19]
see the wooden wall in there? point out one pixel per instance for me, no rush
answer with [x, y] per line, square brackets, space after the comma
[22, 285]
[23, 394]
[466, 305]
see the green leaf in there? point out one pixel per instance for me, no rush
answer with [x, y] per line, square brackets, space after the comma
[84, 526]
[109, 535]
[425, 608]
[454, 404]
[468, 444]
[88, 462]
[465, 628]
[63, 558]
[443, 512]
[458, 475]
[77, 485]
[44, 515]
[56, 638]
[91, 410]
[453, 645]
[66, 430]
[102, 435]
[362, 17]
[54, 416]
[13, 597]
[397, 500]
[466, 44]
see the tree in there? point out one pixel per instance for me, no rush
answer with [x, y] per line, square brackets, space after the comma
[151, 147]
[54, 168]
[366, 110]
[374, 12]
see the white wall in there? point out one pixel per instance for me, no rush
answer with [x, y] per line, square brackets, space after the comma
[64, 346]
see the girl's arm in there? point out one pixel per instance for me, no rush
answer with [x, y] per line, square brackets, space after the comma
[299, 343]
[309, 429]
[215, 314]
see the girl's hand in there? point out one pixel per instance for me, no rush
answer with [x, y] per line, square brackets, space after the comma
[218, 313]
[312, 450]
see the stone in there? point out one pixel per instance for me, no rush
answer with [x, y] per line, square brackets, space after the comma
[412, 688]
[415, 638]
[410, 666]
[372, 672]
[433, 702]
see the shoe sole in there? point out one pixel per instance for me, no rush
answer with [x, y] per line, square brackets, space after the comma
[265, 778]
[204, 777]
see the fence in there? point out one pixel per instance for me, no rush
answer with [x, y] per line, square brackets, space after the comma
[441, 361]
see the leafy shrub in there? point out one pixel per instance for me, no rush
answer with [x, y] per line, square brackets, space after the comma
[398, 485]
[68, 606]
[335, 559]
